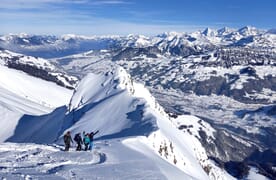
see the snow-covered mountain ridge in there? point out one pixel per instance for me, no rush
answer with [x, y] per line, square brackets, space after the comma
[37, 67]
[98, 96]
[121, 109]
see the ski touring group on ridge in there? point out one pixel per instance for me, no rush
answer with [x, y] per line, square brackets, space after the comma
[86, 140]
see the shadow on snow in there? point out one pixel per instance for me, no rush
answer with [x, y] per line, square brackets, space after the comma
[49, 128]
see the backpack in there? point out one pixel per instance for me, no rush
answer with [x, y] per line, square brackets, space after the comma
[76, 138]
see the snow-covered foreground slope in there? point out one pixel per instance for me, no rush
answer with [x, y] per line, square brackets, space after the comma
[21, 94]
[136, 135]
[109, 160]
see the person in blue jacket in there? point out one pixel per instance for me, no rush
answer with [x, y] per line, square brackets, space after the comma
[86, 141]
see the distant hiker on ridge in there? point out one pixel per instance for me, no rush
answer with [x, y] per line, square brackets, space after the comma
[78, 140]
[91, 137]
[67, 140]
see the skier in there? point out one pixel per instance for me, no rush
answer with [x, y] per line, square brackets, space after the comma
[91, 137]
[67, 140]
[78, 140]
[86, 141]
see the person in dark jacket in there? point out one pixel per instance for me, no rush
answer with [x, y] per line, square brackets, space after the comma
[91, 137]
[79, 142]
[67, 140]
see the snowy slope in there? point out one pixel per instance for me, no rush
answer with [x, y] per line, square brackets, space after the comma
[34, 89]
[22, 94]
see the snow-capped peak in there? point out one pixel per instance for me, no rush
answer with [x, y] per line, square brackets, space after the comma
[209, 32]
[248, 31]
[95, 87]
[271, 31]
[224, 31]
[67, 37]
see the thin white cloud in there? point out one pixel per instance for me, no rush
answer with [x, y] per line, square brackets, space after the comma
[109, 2]
[33, 4]
[60, 20]
[27, 4]
[55, 23]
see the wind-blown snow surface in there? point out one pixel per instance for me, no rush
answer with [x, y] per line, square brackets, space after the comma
[137, 139]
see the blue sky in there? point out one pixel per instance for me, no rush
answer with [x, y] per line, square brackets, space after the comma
[97, 17]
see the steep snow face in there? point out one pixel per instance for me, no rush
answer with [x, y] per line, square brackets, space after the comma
[111, 103]
[106, 99]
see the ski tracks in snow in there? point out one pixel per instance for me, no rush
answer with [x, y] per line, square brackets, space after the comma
[26, 161]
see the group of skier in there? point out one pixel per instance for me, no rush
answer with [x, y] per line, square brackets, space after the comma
[87, 140]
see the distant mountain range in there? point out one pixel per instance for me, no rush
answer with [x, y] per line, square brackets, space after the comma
[183, 44]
